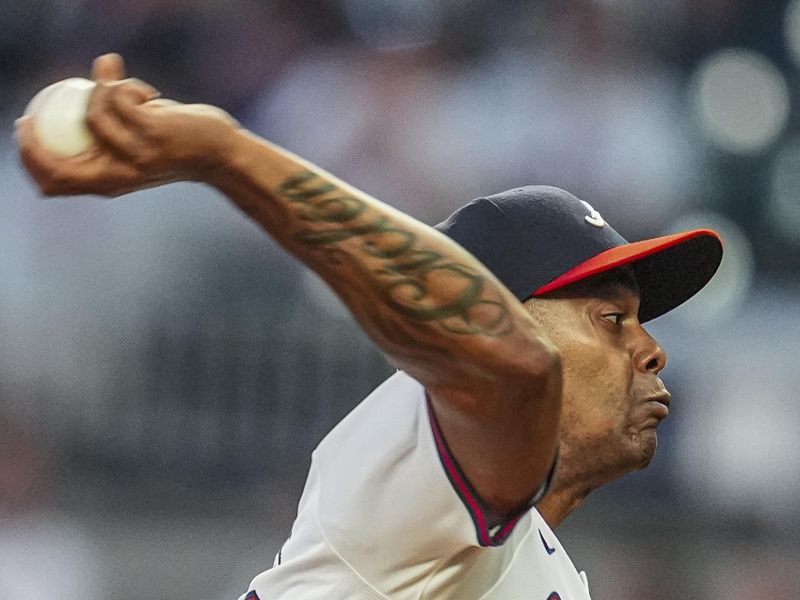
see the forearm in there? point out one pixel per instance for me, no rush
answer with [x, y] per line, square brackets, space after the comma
[491, 374]
[416, 293]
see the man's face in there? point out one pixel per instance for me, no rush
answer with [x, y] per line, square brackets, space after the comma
[613, 398]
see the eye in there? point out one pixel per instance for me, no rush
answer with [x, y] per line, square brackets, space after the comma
[615, 318]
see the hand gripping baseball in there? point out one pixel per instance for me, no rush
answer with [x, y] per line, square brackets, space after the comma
[141, 140]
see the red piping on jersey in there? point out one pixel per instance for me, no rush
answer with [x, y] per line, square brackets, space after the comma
[506, 529]
[471, 500]
[455, 477]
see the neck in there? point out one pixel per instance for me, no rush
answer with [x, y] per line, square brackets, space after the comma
[574, 481]
[560, 502]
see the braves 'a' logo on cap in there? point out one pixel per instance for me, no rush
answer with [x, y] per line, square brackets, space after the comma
[593, 217]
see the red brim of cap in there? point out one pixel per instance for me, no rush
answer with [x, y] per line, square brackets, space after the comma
[669, 270]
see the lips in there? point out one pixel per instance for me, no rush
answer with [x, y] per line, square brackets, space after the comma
[659, 403]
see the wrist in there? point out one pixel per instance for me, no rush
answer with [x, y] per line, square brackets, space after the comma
[231, 152]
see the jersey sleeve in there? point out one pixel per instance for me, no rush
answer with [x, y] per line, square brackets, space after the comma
[388, 496]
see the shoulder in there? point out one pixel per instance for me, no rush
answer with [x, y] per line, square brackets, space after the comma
[389, 416]
[377, 479]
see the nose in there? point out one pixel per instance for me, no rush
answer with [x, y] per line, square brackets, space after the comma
[649, 355]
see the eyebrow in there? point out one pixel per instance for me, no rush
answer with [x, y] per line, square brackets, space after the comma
[607, 282]
[610, 288]
[620, 277]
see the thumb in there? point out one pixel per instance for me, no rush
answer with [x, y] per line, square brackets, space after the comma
[108, 67]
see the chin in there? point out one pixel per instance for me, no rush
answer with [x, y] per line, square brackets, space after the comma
[646, 444]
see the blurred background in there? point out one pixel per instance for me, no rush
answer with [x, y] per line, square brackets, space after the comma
[166, 370]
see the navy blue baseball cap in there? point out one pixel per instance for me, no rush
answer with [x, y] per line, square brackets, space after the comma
[537, 239]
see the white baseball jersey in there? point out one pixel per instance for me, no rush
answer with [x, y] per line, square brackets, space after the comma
[386, 513]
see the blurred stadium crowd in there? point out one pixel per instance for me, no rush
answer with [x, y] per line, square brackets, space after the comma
[165, 370]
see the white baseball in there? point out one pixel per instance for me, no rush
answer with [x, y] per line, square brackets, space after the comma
[59, 116]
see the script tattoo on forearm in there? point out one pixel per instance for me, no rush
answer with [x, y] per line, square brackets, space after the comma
[407, 270]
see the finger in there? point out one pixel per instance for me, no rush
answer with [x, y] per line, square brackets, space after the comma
[22, 131]
[108, 67]
[39, 161]
[95, 174]
[87, 173]
[130, 111]
[103, 120]
[163, 103]
[128, 96]
[47, 172]
[103, 176]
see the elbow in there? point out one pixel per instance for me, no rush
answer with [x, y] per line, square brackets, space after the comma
[533, 364]
[539, 371]
[549, 371]
[545, 360]
[540, 360]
